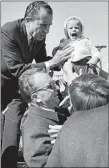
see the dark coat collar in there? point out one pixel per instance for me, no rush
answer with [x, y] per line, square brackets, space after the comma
[45, 113]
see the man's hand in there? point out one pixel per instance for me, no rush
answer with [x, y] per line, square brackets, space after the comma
[53, 131]
[61, 56]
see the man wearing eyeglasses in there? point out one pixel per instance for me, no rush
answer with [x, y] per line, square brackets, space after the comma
[22, 41]
[40, 92]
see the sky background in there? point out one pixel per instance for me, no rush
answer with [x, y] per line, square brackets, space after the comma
[94, 16]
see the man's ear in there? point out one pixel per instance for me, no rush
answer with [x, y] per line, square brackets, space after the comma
[36, 98]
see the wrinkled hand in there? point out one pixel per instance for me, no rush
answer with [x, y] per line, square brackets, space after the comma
[93, 61]
[61, 56]
[61, 86]
[53, 131]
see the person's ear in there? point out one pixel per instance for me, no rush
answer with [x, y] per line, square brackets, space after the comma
[36, 98]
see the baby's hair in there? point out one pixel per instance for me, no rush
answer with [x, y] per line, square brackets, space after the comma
[89, 91]
[72, 18]
[77, 19]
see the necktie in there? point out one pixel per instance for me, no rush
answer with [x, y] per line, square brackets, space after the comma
[31, 43]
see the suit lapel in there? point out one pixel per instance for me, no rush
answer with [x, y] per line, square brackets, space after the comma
[24, 43]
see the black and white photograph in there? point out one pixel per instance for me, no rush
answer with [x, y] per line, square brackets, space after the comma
[54, 84]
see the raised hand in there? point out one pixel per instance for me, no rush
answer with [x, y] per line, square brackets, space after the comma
[61, 56]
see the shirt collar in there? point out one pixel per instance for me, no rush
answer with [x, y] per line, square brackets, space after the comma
[29, 36]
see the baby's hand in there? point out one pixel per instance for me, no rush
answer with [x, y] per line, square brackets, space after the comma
[93, 61]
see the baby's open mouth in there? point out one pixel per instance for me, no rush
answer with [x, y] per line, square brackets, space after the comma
[74, 35]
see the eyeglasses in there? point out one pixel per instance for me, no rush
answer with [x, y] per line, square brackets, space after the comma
[50, 86]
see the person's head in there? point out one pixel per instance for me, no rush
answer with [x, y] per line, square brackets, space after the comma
[88, 91]
[73, 28]
[38, 18]
[38, 87]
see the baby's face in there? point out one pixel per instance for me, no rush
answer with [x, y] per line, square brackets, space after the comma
[74, 29]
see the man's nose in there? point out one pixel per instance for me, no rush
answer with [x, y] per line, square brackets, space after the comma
[47, 29]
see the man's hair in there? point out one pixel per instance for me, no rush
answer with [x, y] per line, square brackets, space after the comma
[33, 9]
[26, 84]
[89, 91]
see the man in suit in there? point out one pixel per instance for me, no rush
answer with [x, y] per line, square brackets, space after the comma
[83, 139]
[40, 92]
[22, 41]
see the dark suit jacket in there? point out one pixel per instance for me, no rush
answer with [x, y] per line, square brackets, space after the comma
[16, 56]
[36, 140]
[82, 141]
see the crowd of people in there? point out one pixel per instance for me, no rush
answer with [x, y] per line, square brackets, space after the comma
[68, 129]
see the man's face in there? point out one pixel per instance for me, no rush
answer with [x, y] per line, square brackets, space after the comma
[39, 28]
[47, 90]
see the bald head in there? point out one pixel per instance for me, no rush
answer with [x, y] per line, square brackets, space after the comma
[31, 80]
[40, 79]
